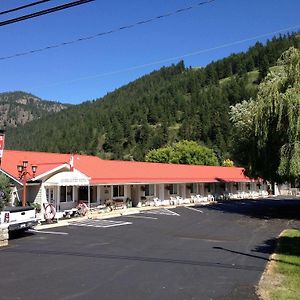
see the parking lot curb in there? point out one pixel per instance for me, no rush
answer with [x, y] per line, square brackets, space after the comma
[107, 215]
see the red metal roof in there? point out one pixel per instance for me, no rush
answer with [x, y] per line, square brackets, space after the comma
[45, 161]
[113, 172]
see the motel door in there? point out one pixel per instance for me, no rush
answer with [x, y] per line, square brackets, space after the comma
[50, 196]
[135, 195]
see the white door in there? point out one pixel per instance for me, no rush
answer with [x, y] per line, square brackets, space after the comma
[50, 196]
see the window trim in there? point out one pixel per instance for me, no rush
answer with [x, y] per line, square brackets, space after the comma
[120, 188]
[67, 193]
[150, 188]
[173, 189]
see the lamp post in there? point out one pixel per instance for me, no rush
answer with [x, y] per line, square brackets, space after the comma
[22, 169]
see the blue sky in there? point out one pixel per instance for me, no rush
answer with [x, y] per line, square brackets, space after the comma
[90, 69]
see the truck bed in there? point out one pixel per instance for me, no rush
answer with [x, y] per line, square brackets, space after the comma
[18, 217]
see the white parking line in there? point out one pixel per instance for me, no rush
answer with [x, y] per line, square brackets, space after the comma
[195, 209]
[47, 232]
[99, 223]
[161, 211]
[140, 217]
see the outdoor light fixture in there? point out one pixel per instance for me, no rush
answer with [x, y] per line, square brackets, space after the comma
[20, 168]
[23, 173]
[34, 168]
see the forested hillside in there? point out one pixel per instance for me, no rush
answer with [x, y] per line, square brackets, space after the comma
[167, 105]
[18, 108]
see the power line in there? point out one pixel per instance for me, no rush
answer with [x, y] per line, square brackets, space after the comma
[173, 58]
[178, 11]
[24, 6]
[44, 12]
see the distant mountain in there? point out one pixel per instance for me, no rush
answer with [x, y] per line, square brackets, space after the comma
[165, 106]
[18, 108]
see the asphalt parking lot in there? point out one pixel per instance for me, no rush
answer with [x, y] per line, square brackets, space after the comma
[216, 252]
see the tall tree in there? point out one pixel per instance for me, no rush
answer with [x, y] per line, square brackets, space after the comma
[268, 128]
[263, 68]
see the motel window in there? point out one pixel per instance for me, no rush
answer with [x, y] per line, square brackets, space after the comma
[66, 194]
[194, 188]
[236, 185]
[207, 187]
[118, 191]
[173, 189]
[149, 190]
[69, 193]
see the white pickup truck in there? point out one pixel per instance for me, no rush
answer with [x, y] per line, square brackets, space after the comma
[18, 218]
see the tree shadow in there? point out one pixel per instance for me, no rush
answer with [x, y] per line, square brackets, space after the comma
[268, 246]
[146, 259]
[241, 253]
[289, 246]
[282, 245]
[274, 208]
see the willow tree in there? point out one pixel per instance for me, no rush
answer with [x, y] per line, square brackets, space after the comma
[243, 139]
[272, 130]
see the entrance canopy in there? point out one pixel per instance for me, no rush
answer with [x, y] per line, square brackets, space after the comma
[68, 179]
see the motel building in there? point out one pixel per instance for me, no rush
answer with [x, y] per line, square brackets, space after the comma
[64, 180]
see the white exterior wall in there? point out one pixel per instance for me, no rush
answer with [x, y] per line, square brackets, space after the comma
[105, 192]
[161, 191]
[34, 194]
[127, 191]
[98, 194]
[183, 190]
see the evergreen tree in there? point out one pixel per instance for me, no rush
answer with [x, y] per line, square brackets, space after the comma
[167, 105]
[263, 68]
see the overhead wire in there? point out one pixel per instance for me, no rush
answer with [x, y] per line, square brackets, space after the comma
[23, 6]
[174, 58]
[44, 12]
[100, 34]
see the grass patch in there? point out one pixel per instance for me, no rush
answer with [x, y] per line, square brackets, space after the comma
[286, 267]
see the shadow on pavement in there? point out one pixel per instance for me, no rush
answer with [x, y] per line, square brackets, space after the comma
[241, 253]
[17, 234]
[268, 248]
[261, 208]
[134, 258]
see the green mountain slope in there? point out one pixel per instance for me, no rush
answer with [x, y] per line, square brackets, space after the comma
[167, 105]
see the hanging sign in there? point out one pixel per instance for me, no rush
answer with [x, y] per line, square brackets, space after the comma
[1, 143]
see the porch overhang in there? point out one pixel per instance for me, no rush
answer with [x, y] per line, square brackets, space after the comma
[134, 181]
[228, 180]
